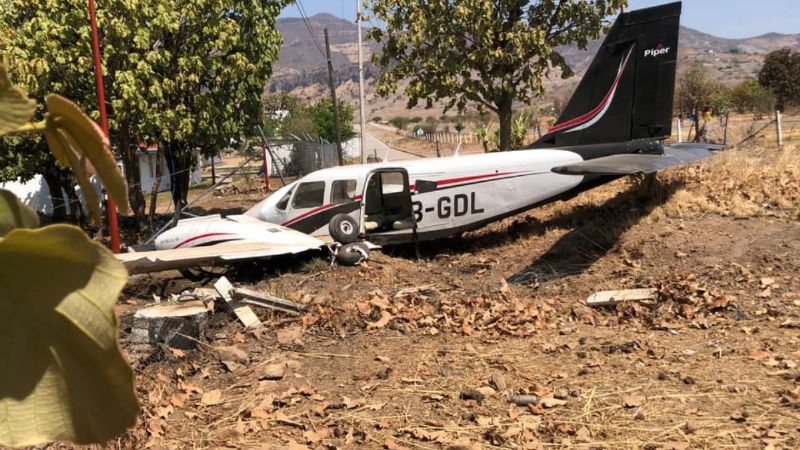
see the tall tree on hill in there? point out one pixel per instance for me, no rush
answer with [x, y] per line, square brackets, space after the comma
[492, 53]
[781, 74]
[180, 73]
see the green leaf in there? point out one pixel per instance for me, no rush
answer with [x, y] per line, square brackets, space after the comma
[73, 136]
[16, 109]
[63, 376]
[15, 214]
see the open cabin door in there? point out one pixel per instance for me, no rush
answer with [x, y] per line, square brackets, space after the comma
[386, 204]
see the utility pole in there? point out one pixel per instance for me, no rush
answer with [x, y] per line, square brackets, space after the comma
[101, 105]
[362, 108]
[333, 99]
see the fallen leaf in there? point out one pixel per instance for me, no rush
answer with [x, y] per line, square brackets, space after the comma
[386, 316]
[178, 399]
[211, 397]
[312, 437]
[289, 335]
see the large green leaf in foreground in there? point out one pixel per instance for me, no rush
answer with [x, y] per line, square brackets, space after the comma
[15, 214]
[16, 109]
[62, 375]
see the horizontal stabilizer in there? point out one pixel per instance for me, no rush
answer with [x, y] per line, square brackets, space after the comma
[633, 163]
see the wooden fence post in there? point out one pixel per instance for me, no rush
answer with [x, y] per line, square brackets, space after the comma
[778, 127]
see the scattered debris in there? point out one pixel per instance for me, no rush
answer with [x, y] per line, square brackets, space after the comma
[267, 301]
[243, 312]
[524, 400]
[605, 298]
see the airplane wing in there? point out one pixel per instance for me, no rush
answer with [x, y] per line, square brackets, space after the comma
[633, 163]
[160, 260]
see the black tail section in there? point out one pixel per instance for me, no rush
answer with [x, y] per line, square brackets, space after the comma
[627, 92]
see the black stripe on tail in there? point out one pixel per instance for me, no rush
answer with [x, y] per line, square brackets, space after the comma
[627, 92]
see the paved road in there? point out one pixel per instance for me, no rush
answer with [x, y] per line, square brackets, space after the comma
[372, 144]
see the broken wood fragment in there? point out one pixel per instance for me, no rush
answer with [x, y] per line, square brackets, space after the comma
[267, 301]
[242, 311]
[605, 298]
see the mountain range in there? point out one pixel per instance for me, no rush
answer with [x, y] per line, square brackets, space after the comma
[301, 67]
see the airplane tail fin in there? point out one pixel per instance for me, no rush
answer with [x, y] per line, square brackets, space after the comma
[627, 92]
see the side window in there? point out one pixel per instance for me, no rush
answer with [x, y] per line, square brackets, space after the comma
[343, 191]
[392, 182]
[309, 195]
[284, 201]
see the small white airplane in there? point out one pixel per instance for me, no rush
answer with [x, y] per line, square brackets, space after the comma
[614, 125]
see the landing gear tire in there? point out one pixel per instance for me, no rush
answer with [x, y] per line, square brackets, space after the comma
[352, 254]
[343, 228]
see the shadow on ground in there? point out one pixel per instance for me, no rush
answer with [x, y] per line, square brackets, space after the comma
[595, 230]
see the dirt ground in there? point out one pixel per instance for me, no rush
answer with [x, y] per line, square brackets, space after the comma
[426, 354]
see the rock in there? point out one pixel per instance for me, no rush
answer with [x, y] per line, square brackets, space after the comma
[499, 381]
[561, 394]
[271, 372]
[523, 400]
[632, 401]
[583, 436]
[472, 394]
[486, 391]
[232, 353]
[552, 402]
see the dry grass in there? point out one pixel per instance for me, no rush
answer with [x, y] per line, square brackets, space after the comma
[740, 183]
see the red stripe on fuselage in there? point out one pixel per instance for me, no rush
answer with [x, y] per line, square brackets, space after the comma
[306, 214]
[192, 239]
[471, 178]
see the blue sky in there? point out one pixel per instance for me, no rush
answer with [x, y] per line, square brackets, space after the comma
[724, 18]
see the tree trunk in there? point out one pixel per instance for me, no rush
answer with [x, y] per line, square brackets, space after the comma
[56, 196]
[505, 115]
[131, 165]
[76, 215]
[154, 188]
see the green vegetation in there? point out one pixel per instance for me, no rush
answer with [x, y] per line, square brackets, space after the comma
[473, 51]
[186, 75]
[750, 96]
[286, 115]
[781, 75]
[400, 122]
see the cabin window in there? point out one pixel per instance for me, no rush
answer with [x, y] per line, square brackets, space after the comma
[309, 195]
[284, 201]
[343, 191]
[392, 182]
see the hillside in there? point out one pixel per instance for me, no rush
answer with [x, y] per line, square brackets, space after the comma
[301, 67]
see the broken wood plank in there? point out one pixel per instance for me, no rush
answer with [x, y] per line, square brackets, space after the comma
[254, 302]
[243, 312]
[267, 300]
[605, 298]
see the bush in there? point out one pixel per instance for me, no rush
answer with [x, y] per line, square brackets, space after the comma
[416, 119]
[399, 122]
[377, 119]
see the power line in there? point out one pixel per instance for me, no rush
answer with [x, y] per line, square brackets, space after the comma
[304, 16]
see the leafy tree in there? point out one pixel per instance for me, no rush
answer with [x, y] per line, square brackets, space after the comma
[181, 73]
[322, 115]
[489, 53]
[750, 96]
[286, 115]
[399, 122]
[697, 90]
[781, 74]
